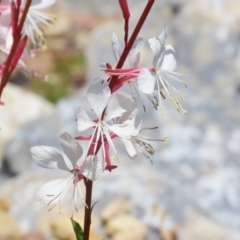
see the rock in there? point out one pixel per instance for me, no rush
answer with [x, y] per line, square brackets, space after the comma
[21, 106]
[126, 227]
[61, 227]
[33, 236]
[114, 209]
[4, 204]
[168, 234]
[198, 227]
[128, 235]
[46, 58]
[9, 228]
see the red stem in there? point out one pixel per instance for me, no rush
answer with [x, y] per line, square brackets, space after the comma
[88, 183]
[16, 39]
[126, 16]
[131, 41]
[88, 209]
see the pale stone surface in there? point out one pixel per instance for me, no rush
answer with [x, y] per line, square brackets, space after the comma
[9, 227]
[4, 203]
[33, 236]
[198, 227]
[169, 234]
[129, 235]
[61, 227]
[114, 209]
[126, 225]
[21, 106]
[200, 164]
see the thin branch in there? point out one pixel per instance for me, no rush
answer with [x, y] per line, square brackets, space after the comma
[16, 40]
[128, 47]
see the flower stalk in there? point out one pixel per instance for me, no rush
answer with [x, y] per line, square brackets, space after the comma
[88, 209]
[113, 82]
[18, 42]
[131, 41]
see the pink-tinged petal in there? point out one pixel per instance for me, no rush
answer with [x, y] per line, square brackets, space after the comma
[98, 96]
[163, 35]
[146, 81]
[126, 129]
[129, 104]
[107, 159]
[93, 167]
[9, 39]
[36, 4]
[102, 67]
[52, 192]
[134, 54]
[119, 104]
[84, 137]
[169, 62]
[71, 148]
[83, 120]
[157, 46]
[4, 7]
[115, 46]
[48, 157]
[19, 52]
[129, 148]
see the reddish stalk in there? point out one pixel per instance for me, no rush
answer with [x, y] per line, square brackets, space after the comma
[16, 40]
[88, 209]
[126, 16]
[128, 46]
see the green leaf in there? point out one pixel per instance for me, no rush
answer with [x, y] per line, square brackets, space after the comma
[77, 229]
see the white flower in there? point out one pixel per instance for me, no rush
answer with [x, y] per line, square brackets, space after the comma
[134, 54]
[115, 117]
[54, 191]
[159, 77]
[36, 17]
[132, 141]
[33, 19]
[6, 41]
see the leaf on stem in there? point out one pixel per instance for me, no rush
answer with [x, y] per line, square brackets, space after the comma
[77, 229]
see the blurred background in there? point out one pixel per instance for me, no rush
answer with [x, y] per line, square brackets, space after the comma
[192, 189]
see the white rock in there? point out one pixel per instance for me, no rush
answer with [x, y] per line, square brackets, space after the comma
[21, 106]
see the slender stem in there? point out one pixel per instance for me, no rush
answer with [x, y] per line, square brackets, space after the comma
[16, 39]
[88, 209]
[129, 45]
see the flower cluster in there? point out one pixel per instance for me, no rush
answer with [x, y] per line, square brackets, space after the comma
[115, 115]
[20, 34]
[154, 81]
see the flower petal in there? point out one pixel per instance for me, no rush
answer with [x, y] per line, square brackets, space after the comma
[115, 46]
[48, 157]
[129, 147]
[146, 81]
[129, 104]
[52, 192]
[83, 120]
[119, 104]
[157, 46]
[92, 167]
[126, 129]
[36, 4]
[98, 96]
[169, 61]
[71, 148]
[163, 35]
[134, 54]
[154, 45]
